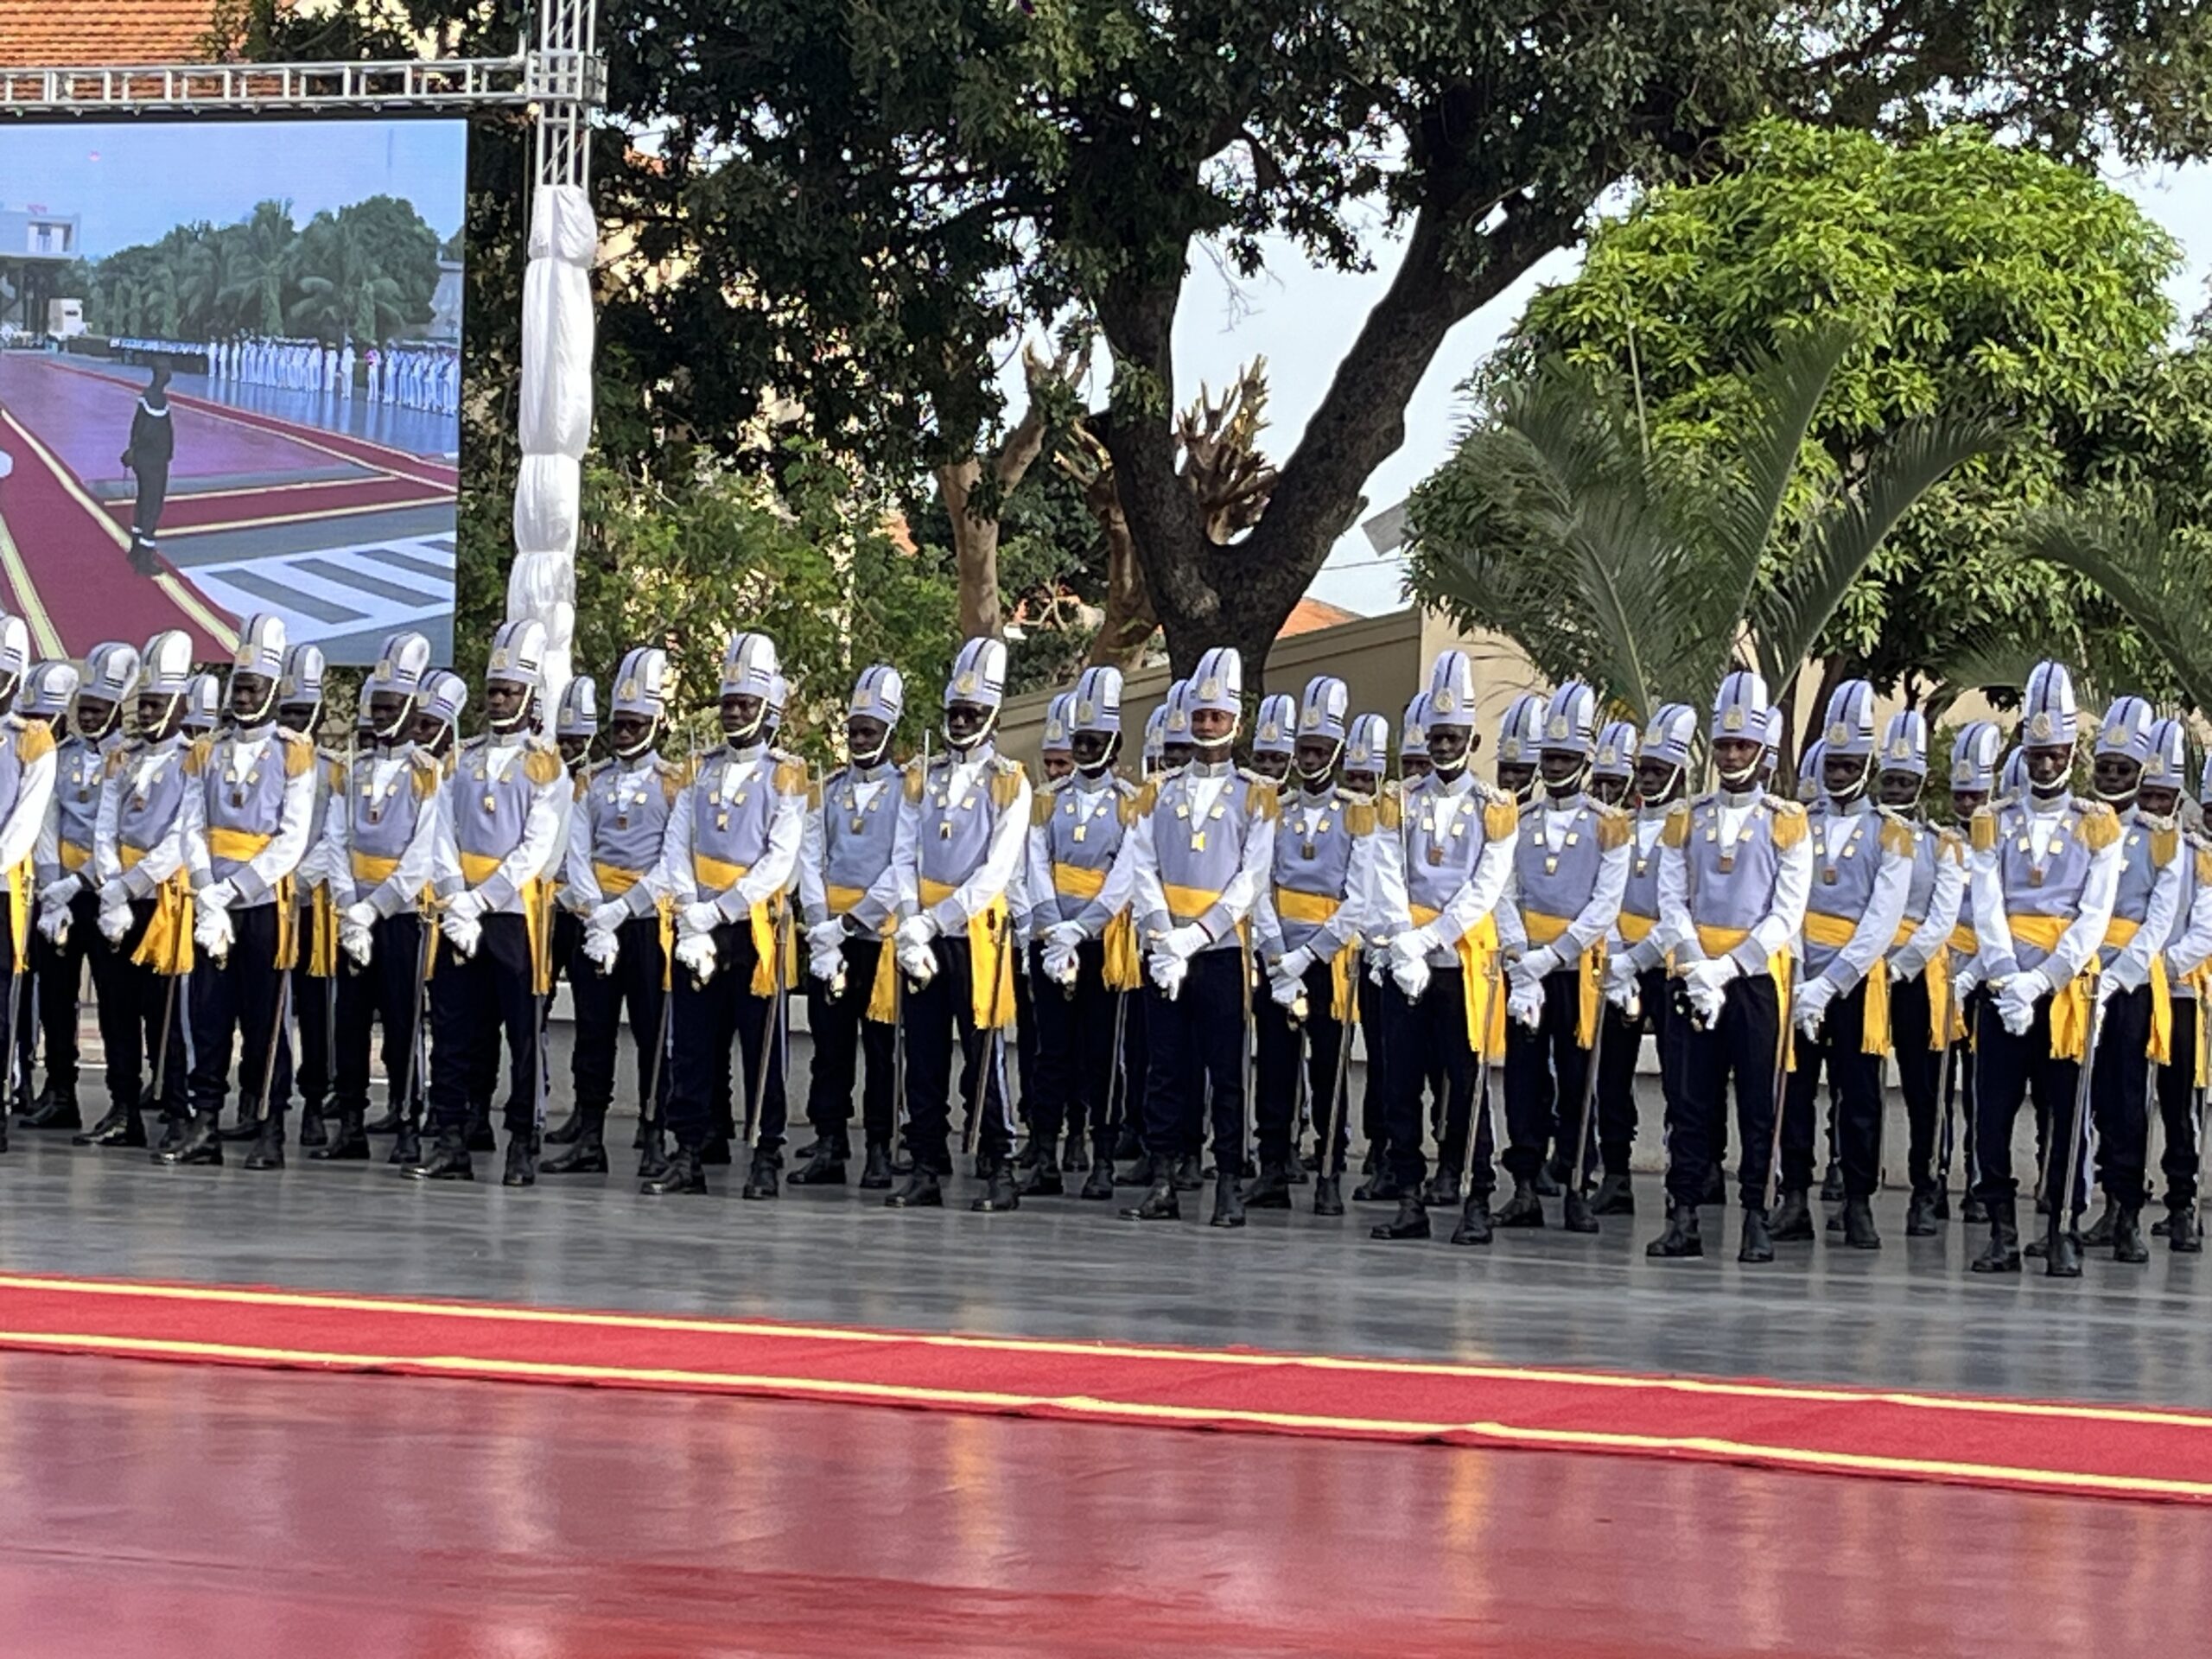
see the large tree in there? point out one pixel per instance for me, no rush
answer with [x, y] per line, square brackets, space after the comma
[851, 203]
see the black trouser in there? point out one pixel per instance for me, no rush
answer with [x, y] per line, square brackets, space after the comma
[1025, 1027]
[153, 492]
[1624, 1045]
[844, 1038]
[1136, 1061]
[1740, 1049]
[1919, 1075]
[26, 1022]
[472, 1000]
[633, 983]
[1374, 1091]
[136, 1005]
[1967, 1089]
[1426, 1037]
[1197, 1049]
[2120, 1097]
[2177, 1108]
[1545, 1071]
[234, 1002]
[938, 1016]
[61, 970]
[312, 1013]
[704, 1022]
[1856, 1080]
[388, 993]
[1074, 1075]
[2006, 1068]
[1281, 1045]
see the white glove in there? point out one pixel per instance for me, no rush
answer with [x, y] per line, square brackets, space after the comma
[1284, 988]
[1411, 946]
[1706, 1003]
[699, 918]
[824, 965]
[1295, 964]
[115, 914]
[467, 905]
[213, 931]
[1710, 978]
[916, 932]
[1963, 983]
[54, 920]
[2017, 999]
[59, 891]
[1812, 1003]
[1060, 963]
[1168, 971]
[217, 895]
[609, 917]
[1067, 935]
[361, 916]
[1904, 970]
[916, 962]
[1182, 942]
[1411, 973]
[695, 953]
[355, 940]
[826, 938]
[1626, 994]
[600, 949]
[1536, 965]
[1525, 1003]
[463, 933]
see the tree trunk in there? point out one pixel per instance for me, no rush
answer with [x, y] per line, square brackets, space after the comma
[1130, 621]
[975, 551]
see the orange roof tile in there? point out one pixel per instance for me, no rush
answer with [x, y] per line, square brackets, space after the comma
[1312, 615]
[39, 34]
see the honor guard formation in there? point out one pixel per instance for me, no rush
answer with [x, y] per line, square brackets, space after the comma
[1115, 978]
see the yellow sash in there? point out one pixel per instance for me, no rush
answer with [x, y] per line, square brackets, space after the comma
[719, 875]
[323, 939]
[990, 961]
[613, 881]
[2119, 933]
[883, 992]
[1477, 949]
[1834, 932]
[1187, 903]
[373, 868]
[1589, 969]
[1124, 965]
[238, 845]
[2070, 1003]
[1635, 930]
[537, 895]
[74, 857]
[19, 911]
[1318, 910]
[166, 946]
[1717, 942]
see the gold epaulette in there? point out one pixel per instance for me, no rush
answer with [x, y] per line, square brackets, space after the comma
[197, 757]
[1675, 831]
[2164, 843]
[1007, 778]
[2204, 866]
[2099, 826]
[299, 752]
[583, 784]
[1261, 800]
[33, 742]
[1897, 836]
[337, 775]
[1147, 798]
[1981, 829]
[1612, 828]
[541, 764]
[428, 774]
[918, 781]
[116, 760]
[1950, 844]
[1390, 806]
[1359, 817]
[1790, 822]
[791, 777]
[1501, 816]
[1041, 807]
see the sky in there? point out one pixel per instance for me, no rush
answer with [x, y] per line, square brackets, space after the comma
[1303, 320]
[131, 182]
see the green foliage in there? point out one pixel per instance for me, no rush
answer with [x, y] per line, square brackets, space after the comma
[1977, 280]
[2156, 568]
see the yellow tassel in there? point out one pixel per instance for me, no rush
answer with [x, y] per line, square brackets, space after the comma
[1359, 818]
[541, 764]
[1041, 806]
[33, 741]
[196, 756]
[1390, 808]
[1788, 825]
[1261, 802]
[916, 783]
[2099, 826]
[299, 755]
[1983, 830]
[1675, 832]
[1897, 838]
[1501, 818]
[1612, 828]
[1005, 783]
[1148, 797]
[2164, 843]
[791, 778]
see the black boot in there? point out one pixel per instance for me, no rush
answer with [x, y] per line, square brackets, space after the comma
[173, 1130]
[1616, 1196]
[55, 1108]
[201, 1143]
[1524, 1208]
[1228, 1203]
[1441, 1190]
[1380, 1187]
[2103, 1228]
[1942, 1211]
[680, 1171]
[565, 1131]
[1546, 1185]
[390, 1123]
[2002, 1253]
[522, 1148]
[922, 1191]
[2062, 1251]
[269, 1146]
[1792, 1222]
[1272, 1190]
[825, 1168]
[1160, 1204]
[1098, 1185]
[1758, 1243]
[122, 1127]
[449, 1160]
[1041, 1179]
[652, 1150]
[1832, 1185]
[247, 1127]
[406, 1147]
[1410, 1221]
[1077, 1158]
[1922, 1219]
[1001, 1192]
[1328, 1196]
[2183, 1235]
[480, 1136]
[585, 1155]
[1972, 1211]
[2128, 1242]
[1187, 1178]
[1859, 1225]
[1575, 1213]
[1680, 1239]
[1474, 1227]
[875, 1170]
[761, 1178]
[716, 1154]
[1139, 1173]
[312, 1132]
[349, 1145]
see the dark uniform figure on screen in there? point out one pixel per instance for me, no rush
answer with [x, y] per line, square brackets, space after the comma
[146, 456]
[249, 800]
[848, 899]
[617, 888]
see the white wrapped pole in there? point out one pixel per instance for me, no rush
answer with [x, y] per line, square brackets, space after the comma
[553, 421]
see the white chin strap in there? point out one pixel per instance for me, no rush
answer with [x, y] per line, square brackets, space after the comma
[1321, 776]
[981, 733]
[864, 762]
[1569, 786]
[392, 733]
[260, 716]
[1106, 763]
[1850, 792]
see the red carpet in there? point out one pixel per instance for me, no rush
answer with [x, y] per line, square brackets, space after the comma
[197, 512]
[2108, 1450]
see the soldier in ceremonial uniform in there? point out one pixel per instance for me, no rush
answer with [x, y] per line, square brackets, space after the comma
[27, 771]
[1520, 739]
[1570, 869]
[249, 800]
[378, 843]
[2044, 870]
[1201, 847]
[1975, 755]
[1307, 923]
[1735, 867]
[437, 715]
[848, 897]
[1366, 779]
[498, 843]
[1612, 771]
[1274, 733]
[1863, 860]
[963, 829]
[1153, 758]
[1081, 918]
[43, 700]
[1919, 961]
[1055, 756]
[1175, 745]
[314, 988]
[1435, 899]
[1637, 996]
[2182, 1074]
[617, 887]
[2131, 975]
[733, 843]
[1413, 741]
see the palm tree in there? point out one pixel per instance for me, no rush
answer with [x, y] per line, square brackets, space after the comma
[2148, 563]
[258, 258]
[1647, 574]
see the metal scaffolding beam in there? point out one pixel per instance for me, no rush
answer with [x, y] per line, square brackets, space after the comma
[268, 88]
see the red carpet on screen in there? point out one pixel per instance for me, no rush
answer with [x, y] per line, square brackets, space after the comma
[2112, 1451]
